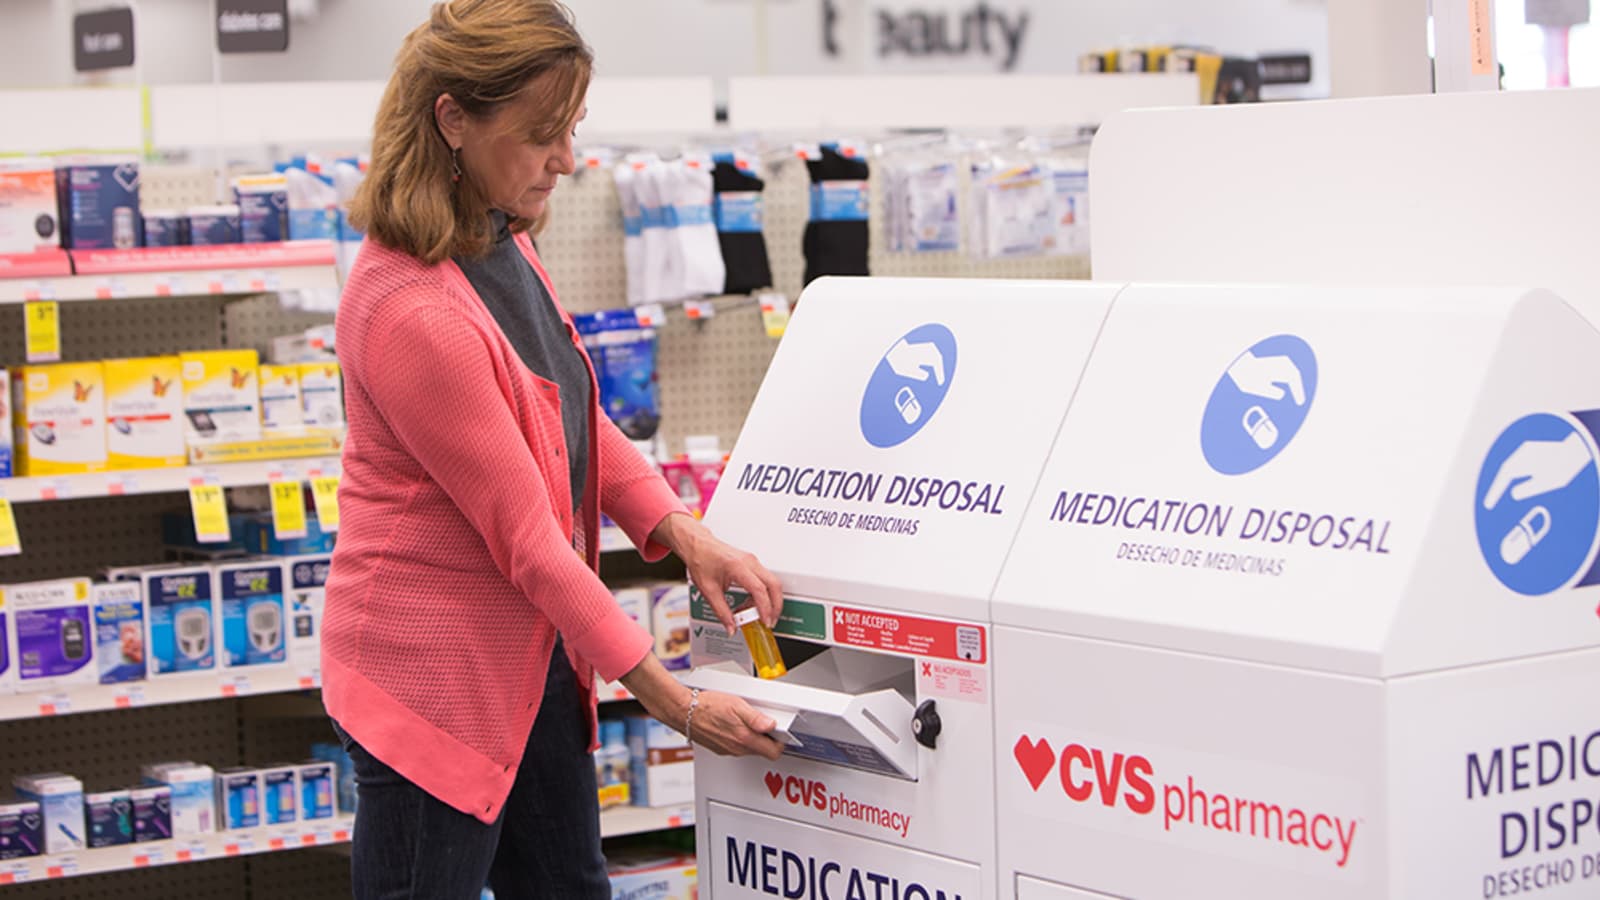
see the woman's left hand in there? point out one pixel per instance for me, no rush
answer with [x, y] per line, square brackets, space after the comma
[715, 566]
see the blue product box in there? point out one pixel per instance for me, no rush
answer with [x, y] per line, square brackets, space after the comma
[21, 830]
[313, 224]
[316, 790]
[334, 753]
[109, 817]
[280, 789]
[238, 798]
[119, 644]
[165, 228]
[253, 619]
[152, 813]
[263, 214]
[100, 205]
[213, 225]
[180, 620]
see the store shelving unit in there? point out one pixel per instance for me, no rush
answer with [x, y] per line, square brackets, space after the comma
[625, 820]
[226, 684]
[169, 272]
[180, 850]
[157, 481]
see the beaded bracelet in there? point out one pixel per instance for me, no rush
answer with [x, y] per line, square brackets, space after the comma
[688, 720]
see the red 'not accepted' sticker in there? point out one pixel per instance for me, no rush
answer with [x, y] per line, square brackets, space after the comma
[909, 634]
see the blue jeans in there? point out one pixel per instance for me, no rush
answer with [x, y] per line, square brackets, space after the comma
[546, 843]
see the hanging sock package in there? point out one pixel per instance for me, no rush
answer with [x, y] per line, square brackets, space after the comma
[663, 265]
[692, 228]
[632, 229]
[920, 204]
[624, 357]
[835, 241]
[740, 218]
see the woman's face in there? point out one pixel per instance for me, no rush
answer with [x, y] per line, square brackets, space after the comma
[517, 173]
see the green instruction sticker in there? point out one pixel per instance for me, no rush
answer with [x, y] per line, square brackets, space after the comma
[800, 618]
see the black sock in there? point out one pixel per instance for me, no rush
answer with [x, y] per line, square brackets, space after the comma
[743, 251]
[835, 247]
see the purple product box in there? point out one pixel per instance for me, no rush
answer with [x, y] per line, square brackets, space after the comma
[152, 813]
[21, 830]
[100, 205]
[53, 642]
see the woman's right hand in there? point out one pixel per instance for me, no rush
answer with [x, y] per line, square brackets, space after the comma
[728, 726]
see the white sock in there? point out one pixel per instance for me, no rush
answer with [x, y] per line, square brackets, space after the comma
[633, 231]
[704, 272]
[660, 255]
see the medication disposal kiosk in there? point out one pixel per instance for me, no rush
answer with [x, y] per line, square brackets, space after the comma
[1301, 606]
[882, 474]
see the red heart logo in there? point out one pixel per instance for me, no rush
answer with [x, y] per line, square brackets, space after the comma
[774, 783]
[1036, 759]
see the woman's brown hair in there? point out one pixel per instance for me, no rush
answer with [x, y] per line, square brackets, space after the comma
[483, 53]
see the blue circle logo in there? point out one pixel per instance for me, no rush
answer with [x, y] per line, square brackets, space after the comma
[908, 385]
[1538, 504]
[1259, 404]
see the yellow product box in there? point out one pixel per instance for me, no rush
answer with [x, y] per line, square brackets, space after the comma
[60, 415]
[281, 409]
[144, 413]
[221, 400]
[322, 391]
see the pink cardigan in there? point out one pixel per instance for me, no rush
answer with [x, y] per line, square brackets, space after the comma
[456, 562]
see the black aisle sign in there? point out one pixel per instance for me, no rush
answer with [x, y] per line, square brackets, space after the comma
[102, 40]
[252, 26]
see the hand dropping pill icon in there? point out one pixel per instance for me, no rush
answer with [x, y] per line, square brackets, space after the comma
[1525, 535]
[1260, 427]
[907, 403]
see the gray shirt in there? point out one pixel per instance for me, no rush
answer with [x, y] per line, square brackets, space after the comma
[516, 297]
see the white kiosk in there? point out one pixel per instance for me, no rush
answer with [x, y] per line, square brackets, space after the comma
[1305, 603]
[882, 474]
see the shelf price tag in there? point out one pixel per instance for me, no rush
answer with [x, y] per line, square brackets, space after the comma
[129, 697]
[55, 704]
[43, 331]
[288, 509]
[325, 493]
[697, 310]
[774, 313]
[10, 540]
[650, 315]
[210, 514]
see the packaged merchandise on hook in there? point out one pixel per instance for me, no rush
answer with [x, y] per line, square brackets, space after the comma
[1029, 201]
[835, 240]
[921, 185]
[740, 217]
[624, 357]
[671, 247]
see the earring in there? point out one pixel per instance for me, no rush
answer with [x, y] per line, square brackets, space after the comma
[455, 165]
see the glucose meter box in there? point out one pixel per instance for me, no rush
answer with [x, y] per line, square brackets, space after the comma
[180, 619]
[253, 632]
[144, 413]
[119, 644]
[101, 204]
[52, 633]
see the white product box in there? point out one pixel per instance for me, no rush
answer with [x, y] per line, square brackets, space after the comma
[52, 633]
[322, 392]
[28, 210]
[220, 398]
[669, 622]
[644, 874]
[250, 596]
[635, 601]
[238, 798]
[308, 577]
[661, 767]
[119, 642]
[60, 798]
[60, 416]
[282, 411]
[144, 413]
[194, 795]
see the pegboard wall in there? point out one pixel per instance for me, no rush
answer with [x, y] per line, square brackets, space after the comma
[710, 370]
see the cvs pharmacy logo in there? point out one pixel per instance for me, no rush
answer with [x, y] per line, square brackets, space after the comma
[1092, 776]
[798, 791]
[1088, 773]
[805, 793]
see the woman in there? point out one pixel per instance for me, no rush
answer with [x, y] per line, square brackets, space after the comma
[465, 621]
